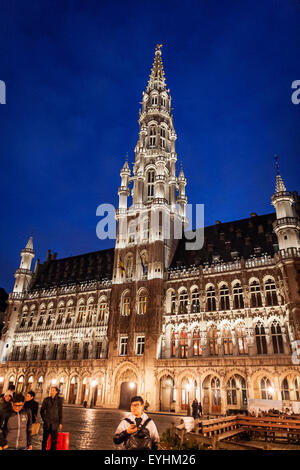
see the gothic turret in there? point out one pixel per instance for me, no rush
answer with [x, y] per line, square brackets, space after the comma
[24, 274]
[287, 224]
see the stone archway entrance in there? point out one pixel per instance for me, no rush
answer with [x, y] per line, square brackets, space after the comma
[166, 393]
[73, 390]
[127, 391]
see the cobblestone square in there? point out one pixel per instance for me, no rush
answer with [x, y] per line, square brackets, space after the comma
[93, 429]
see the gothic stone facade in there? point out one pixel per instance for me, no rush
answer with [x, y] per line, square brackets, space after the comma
[153, 318]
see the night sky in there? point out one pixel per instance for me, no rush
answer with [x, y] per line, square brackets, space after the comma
[75, 72]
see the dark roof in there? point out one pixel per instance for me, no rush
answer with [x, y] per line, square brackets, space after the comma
[240, 238]
[95, 266]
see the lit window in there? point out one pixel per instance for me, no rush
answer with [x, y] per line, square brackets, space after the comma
[123, 345]
[140, 345]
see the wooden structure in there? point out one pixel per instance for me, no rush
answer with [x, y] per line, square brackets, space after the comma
[227, 432]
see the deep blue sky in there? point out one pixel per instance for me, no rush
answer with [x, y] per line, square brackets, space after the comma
[75, 72]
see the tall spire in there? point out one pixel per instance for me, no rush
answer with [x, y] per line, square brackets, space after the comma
[157, 76]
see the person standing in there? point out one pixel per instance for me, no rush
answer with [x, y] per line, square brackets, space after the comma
[200, 409]
[195, 408]
[51, 413]
[137, 431]
[6, 403]
[16, 425]
[31, 404]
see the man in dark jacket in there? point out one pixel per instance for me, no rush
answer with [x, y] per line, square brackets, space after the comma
[16, 425]
[6, 403]
[51, 413]
[32, 405]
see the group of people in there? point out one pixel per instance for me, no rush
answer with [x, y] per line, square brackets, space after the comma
[19, 412]
[196, 409]
[272, 412]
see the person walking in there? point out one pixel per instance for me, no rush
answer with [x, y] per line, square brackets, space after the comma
[51, 414]
[16, 425]
[195, 408]
[137, 431]
[31, 404]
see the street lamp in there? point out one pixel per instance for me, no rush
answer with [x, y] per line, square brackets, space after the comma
[131, 385]
[53, 381]
[271, 390]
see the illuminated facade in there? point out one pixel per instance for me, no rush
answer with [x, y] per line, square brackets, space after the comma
[153, 318]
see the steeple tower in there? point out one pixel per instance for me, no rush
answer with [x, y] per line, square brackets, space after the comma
[158, 206]
[24, 274]
[287, 224]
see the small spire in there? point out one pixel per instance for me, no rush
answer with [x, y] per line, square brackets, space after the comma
[29, 244]
[280, 187]
[157, 72]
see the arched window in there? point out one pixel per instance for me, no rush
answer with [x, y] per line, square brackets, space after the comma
[154, 100]
[42, 316]
[260, 336]
[231, 392]
[60, 315]
[163, 137]
[70, 311]
[85, 350]
[197, 349]
[244, 392]
[150, 184]
[173, 303]
[183, 343]
[81, 312]
[216, 391]
[152, 138]
[277, 338]
[213, 341]
[241, 336]
[132, 232]
[255, 294]
[224, 298]
[102, 310]
[238, 298]
[266, 389]
[285, 393]
[126, 305]
[142, 303]
[195, 301]
[227, 342]
[271, 296]
[91, 310]
[183, 302]
[211, 299]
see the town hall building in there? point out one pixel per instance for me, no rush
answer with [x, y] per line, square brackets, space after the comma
[151, 317]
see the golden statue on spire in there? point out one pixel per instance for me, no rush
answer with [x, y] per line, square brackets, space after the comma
[158, 47]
